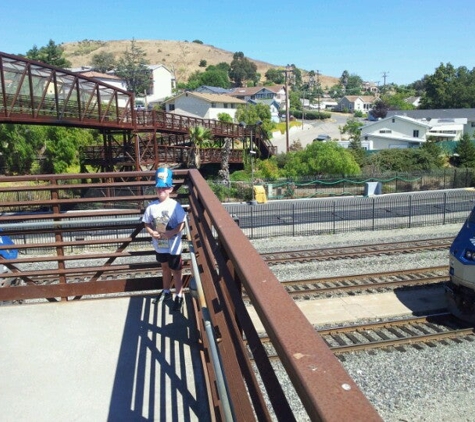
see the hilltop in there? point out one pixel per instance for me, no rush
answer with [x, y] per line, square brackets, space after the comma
[182, 56]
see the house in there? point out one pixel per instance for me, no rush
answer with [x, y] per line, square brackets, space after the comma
[203, 105]
[395, 132]
[437, 114]
[352, 103]
[162, 84]
[414, 101]
[275, 92]
[447, 129]
[104, 77]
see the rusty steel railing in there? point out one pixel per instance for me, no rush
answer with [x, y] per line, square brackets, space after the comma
[94, 222]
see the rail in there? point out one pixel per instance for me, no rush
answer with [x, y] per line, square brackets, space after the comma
[67, 253]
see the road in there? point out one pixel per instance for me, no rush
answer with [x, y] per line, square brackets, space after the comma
[311, 129]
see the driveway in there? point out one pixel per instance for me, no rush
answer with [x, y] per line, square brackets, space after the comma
[310, 130]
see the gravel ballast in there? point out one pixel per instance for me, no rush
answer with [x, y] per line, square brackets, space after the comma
[431, 383]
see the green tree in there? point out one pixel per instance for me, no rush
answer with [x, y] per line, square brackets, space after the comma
[352, 127]
[465, 151]
[20, 146]
[275, 76]
[51, 54]
[356, 149]
[449, 87]
[199, 137]
[132, 68]
[61, 148]
[242, 69]
[225, 117]
[252, 113]
[103, 61]
[321, 158]
[379, 110]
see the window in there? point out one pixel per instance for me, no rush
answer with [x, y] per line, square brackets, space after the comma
[393, 120]
[415, 133]
[225, 105]
[171, 107]
[385, 131]
[213, 105]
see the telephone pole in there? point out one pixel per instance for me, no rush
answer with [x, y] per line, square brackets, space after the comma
[287, 71]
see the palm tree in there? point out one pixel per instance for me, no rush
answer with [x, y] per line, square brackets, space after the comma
[199, 137]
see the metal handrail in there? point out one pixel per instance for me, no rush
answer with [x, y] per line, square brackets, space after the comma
[195, 284]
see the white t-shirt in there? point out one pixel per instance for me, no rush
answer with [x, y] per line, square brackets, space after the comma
[163, 216]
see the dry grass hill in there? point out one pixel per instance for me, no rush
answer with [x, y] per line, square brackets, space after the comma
[181, 56]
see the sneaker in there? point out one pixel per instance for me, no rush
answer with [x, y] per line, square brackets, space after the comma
[178, 303]
[162, 296]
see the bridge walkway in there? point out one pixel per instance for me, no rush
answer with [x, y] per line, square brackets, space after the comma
[115, 359]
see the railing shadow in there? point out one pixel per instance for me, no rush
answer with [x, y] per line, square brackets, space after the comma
[159, 374]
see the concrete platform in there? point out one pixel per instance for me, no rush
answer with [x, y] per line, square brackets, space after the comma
[121, 359]
[384, 305]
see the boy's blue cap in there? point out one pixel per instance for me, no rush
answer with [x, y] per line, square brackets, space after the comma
[164, 178]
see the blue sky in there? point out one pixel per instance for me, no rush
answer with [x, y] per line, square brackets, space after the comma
[406, 39]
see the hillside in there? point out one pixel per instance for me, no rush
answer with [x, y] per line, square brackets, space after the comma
[181, 56]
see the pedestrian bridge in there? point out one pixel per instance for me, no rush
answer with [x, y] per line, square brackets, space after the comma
[36, 93]
[82, 340]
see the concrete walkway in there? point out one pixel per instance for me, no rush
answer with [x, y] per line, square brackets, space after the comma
[121, 359]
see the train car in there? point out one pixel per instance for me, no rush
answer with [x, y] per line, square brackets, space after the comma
[460, 290]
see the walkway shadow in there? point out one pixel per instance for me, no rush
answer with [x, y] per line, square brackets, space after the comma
[159, 375]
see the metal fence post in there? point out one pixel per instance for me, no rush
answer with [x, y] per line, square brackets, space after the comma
[374, 211]
[445, 208]
[410, 210]
[293, 219]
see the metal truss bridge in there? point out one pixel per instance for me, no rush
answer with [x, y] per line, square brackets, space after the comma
[39, 94]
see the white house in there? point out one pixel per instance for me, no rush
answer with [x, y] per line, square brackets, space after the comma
[162, 84]
[447, 129]
[352, 103]
[435, 115]
[203, 105]
[395, 132]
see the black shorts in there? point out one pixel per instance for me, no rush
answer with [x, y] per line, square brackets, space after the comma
[174, 261]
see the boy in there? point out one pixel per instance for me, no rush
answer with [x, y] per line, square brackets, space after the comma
[164, 220]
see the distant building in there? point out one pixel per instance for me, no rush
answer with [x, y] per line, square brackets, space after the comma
[352, 103]
[202, 105]
[257, 93]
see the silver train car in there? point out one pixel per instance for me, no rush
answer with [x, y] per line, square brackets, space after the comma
[460, 290]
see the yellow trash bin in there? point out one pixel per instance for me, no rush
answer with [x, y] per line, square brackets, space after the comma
[260, 194]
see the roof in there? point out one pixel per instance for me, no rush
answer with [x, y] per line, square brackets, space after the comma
[210, 98]
[249, 91]
[99, 75]
[213, 89]
[364, 98]
[468, 113]
[403, 118]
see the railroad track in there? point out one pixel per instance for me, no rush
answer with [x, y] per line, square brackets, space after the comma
[376, 282]
[413, 332]
[347, 252]
[316, 288]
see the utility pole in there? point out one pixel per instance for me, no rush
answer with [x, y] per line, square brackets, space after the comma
[318, 90]
[385, 75]
[287, 71]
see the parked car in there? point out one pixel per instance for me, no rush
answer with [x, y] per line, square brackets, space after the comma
[322, 138]
[139, 106]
